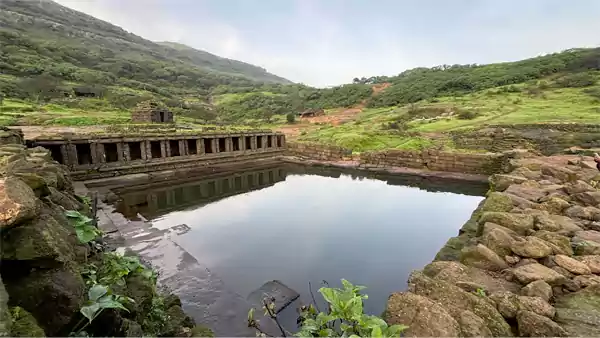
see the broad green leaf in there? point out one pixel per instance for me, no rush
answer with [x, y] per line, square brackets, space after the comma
[90, 311]
[96, 292]
[251, 315]
[323, 318]
[147, 273]
[326, 333]
[108, 302]
[395, 330]
[355, 307]
[85, 235]
[328, 294]
[376, 332]
[309, 325]
[347, 285]
[73, 214]
[373, 321]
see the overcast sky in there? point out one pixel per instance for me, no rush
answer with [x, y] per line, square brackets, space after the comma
[329, 42]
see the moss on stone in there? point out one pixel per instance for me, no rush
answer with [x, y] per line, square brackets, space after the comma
[24, 324]
[202, 331]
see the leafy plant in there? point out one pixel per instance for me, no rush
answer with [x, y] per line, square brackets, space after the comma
[84, 227]
[344, 316]
[100, 297]
[115, 268]
[480, 292]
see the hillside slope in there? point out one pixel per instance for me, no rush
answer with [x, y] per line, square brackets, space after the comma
[44, 37]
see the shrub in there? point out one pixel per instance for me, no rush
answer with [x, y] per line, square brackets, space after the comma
[576, 80]
[467, 114]
[291, 118]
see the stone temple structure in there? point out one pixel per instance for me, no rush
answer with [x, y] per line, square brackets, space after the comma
[151, 112]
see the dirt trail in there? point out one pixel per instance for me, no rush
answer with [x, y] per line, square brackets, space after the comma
[340, 116]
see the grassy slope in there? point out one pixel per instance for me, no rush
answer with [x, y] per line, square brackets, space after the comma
[493, 106]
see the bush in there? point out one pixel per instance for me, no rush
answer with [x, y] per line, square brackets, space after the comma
[291, 118]
[576, 80]
[467, 114]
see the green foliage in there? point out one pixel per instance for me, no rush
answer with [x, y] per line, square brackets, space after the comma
[480, 292]
[290, 118]
[425, 83]
[344, 316]
[576, 80]
[157, 318]
[115, 268]
[467, 114]
[84, 226]
[100, 298]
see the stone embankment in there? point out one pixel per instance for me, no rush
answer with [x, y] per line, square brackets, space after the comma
[45, 265]
[527, 263]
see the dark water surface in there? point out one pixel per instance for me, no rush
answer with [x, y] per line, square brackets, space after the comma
[298, 224]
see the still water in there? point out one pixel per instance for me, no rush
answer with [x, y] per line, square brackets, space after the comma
[297, 224]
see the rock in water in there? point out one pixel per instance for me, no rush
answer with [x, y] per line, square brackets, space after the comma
[283, 295]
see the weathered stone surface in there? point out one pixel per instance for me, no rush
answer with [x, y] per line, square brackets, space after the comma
[520, 202]
[451, 250]
[537, 305]
[572, 265]
[497, 201]
[554, 205]
[592, 262]
[532, 194]
[18, 202]
[472, 325]
[561, 245]
[24, 324]
[578, 187]
[534, 325]
[567, 225]
[468, 278]
[282, 294]
[482, 257]
[562, 271]
[423, 317]
[506, 303]
[499, 182]
[520, 223]
[528, 173]
[5, 317]
[588, 213]
[456, 301]
[533, 272]
[586, 280]
[489, 226]
[562, 173]
[589, 235]
[512, 260]
[531, 247]
[585, 248]
[498, 241]
[538, 288]
[579, 312]
[588, 198]
[51, 296]
[64, 200]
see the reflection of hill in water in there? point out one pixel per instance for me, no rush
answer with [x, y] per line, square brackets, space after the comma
[425, 183]
[155, 200]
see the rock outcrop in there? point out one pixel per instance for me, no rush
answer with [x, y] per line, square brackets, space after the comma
[526, 263]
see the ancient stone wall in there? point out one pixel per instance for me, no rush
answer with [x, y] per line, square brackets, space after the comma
[487, 163]
[44, 259]
[318, 151]
[93, 156]
[526, 263]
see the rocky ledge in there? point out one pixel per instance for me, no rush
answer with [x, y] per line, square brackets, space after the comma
[527, 263]
[46, 266]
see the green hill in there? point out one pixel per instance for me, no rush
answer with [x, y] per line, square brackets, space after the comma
[69, 49]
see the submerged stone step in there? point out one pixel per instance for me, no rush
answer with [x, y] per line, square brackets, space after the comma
[275, 290]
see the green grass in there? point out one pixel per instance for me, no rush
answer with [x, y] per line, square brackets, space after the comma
[233, 97]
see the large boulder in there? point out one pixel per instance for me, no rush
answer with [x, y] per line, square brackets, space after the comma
[499, 182]
[578, 187]
[562, 173]
[572, 265]
[519, 223]
[498, 241]
[451, 250]
[533, 325]
[579, 312]
[588, 198]
[589, 235]
[455, 301]
[423, 317]
[531, 247]
[554, 205]
[561, 245]
[51, 296]
[538, 288]
[535, 271]
[18, 202]
[509, 304]
[472, 325]
[462, 275]
[532, 194]
[592, 262]
[583, 247]
[587, 213]
[482, 257]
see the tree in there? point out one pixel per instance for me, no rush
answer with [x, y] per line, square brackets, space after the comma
[42, 88]
[291, 118]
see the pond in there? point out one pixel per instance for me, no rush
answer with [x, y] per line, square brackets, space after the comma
[298, 224]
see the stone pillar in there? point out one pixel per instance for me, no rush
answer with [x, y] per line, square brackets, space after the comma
[64, 152]
[121, 152]
[282, 138]
[244, 179]
[165, 150]
[204, 189]
[182, 148]
[228, 144]
[126, 151]
[94, 152]
[200, 147]
[171, 197]
[100, 152]
[152, 200]
[72, 154]
[145, 145]
[253, 142]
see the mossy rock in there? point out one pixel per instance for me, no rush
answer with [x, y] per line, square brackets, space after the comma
[65, 200]
[202, 331]
[52, 296]
[24, 324]
[176, 323]
[5, 317]
[18, 202]
[36, 182]
[451, 250]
